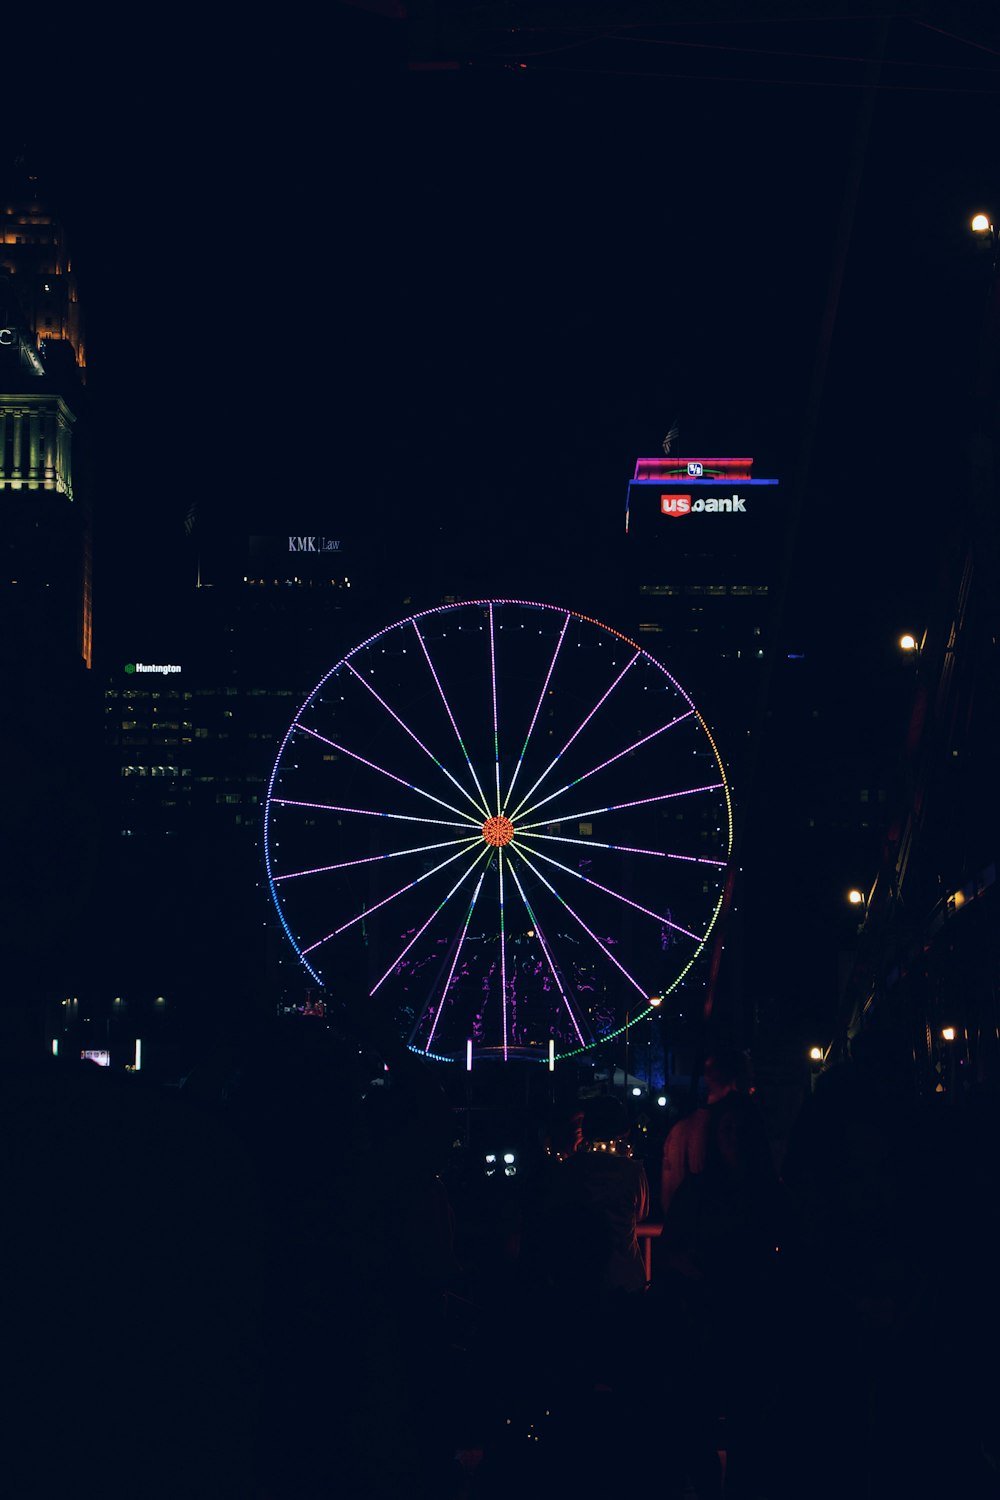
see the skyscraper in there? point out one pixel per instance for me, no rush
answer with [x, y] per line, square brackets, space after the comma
[50, 825]
[46, 573]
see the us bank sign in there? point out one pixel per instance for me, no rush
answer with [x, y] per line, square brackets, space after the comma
[684, 505]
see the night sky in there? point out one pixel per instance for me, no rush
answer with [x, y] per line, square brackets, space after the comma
[502, 283]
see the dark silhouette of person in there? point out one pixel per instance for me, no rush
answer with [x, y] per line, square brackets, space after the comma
[720, 1233]
[607, 1190]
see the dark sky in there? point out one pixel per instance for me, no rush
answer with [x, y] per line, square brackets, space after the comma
[533, 259]
[491, 274]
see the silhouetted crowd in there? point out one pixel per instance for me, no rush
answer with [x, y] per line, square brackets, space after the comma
[307, 1273]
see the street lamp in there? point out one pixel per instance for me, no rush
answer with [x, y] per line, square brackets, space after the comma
[856, 897]
[985, 230]
[908, 642]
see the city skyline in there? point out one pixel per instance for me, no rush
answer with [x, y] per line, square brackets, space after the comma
[454, 310]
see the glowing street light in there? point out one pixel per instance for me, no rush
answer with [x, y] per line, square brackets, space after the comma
[815, 1054]
[856, 897]
[947, 1033]
[985, 230]
[908, 642]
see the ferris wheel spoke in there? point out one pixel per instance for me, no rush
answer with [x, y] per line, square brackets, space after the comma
[373, 859]
[580, 727]
[365, 812]
[384, 902]
[610, 760]
[548, 958]
[594, 812]
[538, 706]
[416, 739]
[454, 962]
[420, 932]
[451, 717]
[343, 750]
[496, 731]
[579, 875]
[503, 956]
[577, 918]
[688, 859]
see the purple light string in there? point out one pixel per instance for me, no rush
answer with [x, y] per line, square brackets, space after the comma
[384, 902]
[578, 875]
[576, 916]
[689, 859]
[580, 727]
[366, 812]
[538, 933]
[372, 859]
[454, 964]
[416, 739]
[382, 771]
[610, 761]
[419, 934]
[691, 791]
[538, 706]
[451, 717]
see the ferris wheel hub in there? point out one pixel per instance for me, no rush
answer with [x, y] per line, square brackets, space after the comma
[498, 831]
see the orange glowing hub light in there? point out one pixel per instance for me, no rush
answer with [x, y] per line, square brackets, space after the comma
[498, 831]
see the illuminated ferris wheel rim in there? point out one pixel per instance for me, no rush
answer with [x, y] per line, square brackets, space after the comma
[498, 830]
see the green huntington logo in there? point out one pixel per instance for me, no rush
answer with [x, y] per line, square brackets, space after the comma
[158, 669]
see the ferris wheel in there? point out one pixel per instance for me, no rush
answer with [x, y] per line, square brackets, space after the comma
[506, 822]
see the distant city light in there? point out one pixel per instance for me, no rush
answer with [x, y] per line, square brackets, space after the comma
[636, 1092]
[662, 1101]
[948, 1033]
